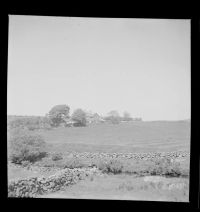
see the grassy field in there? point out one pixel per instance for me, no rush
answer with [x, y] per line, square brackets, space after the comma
[15, 173]
[124, 187]
[133, 137]
[124, 137]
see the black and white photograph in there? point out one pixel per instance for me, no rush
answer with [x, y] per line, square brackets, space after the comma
[99, 108]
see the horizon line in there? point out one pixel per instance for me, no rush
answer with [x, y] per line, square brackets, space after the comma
[186, 119]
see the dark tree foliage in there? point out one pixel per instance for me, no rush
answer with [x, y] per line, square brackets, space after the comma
[113, 117]
[58, 114]
[79, 117]
[127, 116]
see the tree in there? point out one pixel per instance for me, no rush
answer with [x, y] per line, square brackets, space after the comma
[23, 145]
[127, 116]
[113, 113]
[79, 116]
[114, 117]
[58, 114]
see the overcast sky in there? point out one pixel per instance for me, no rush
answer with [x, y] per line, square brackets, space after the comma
[100, 64]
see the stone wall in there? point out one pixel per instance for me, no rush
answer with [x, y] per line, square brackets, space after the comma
[31, 187]
[143, 156]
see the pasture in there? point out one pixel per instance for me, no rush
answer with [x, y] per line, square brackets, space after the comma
[123, 137]
[130, 137]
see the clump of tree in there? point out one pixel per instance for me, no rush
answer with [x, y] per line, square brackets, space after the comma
[127, 117]
[113, 116]
[138, 119]
[58, 114]
[24, 145]
[79, 118]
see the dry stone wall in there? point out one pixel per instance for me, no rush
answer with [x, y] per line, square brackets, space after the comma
[31, 187]
[143, 156]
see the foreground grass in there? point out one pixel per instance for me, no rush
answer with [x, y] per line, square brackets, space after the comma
[122, 178]
[19, 172]
[123, 187]
[123, 138]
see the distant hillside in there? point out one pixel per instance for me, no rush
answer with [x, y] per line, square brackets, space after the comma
[159, 121]
[29, 122]
[12, 117]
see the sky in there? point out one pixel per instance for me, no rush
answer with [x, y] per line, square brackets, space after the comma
[99, 64]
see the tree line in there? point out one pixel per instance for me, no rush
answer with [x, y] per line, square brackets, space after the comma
[60, 115]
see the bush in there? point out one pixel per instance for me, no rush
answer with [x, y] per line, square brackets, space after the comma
[33, 127]
[16, 123]
[25, 146]
[57, 156]
[25, 163]
[74, 163]
[142, 168]
[111, 166]
[78, 124]
[30, 123]
[165, 167]
[48, 162]
[62, 163]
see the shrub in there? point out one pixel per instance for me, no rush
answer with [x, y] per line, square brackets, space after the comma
[47, 162]
[25, 163]
[16, 123]
[62, 163]
[74, 163]
[164, 166]
[142, 168]
[30, 123]
[78, 124]
[184, 171]
[57, 156]
[111, 166]
[25, 146]
[33, 127]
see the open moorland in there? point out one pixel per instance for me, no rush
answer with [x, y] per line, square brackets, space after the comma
[108, 161]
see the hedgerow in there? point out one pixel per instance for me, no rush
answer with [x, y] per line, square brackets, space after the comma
[141, 168]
